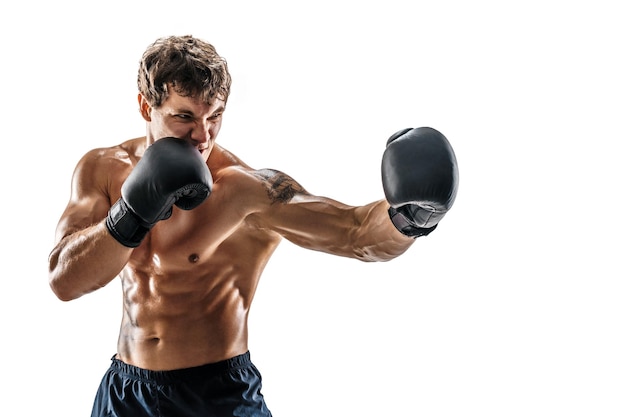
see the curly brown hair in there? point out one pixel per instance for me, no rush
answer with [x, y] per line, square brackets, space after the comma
[189, 65]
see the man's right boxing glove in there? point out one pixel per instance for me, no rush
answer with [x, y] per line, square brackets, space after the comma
[420, 179]
[171, 171]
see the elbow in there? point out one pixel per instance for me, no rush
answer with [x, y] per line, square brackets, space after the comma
[59, 284]
[61, 291]
[63, 297]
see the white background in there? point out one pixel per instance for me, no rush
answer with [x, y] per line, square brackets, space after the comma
[513, 307]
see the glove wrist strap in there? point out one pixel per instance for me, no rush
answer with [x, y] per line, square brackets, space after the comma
[405, 226]
[125, 226]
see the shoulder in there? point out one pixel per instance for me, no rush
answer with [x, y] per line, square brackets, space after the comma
[280, 187]
[266, 185]
[123, 154]
[104, 167]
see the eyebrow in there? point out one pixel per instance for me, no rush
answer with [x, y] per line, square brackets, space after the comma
[184, 110]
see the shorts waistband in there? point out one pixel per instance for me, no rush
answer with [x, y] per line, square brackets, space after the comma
[165, 377]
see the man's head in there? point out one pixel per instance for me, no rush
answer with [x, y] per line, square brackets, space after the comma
[189, 66]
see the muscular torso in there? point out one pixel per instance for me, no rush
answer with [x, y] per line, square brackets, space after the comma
[189, 286]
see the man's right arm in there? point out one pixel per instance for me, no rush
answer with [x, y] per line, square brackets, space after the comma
[86, 256]
[91, 251]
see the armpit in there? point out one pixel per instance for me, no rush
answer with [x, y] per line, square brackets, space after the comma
[280, 186]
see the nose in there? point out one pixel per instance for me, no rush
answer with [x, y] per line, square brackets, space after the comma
[201, 135]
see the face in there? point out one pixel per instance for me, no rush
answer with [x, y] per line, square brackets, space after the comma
[184, 118]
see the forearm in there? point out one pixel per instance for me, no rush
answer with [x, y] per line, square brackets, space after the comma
[377, 239]
[85, 261]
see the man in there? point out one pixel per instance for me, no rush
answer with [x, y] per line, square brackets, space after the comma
[189, 227]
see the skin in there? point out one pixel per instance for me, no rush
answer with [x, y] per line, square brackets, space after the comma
[188, 287]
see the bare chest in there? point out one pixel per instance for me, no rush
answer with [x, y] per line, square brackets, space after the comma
[206, 240]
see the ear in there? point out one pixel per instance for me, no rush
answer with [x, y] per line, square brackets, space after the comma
[144, 108]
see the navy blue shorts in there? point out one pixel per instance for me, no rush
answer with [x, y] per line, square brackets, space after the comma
[228, 388]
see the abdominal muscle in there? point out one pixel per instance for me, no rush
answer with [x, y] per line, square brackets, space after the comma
[188, 309]
[187, 289]
[192, 326]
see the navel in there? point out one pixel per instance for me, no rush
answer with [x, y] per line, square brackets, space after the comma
[193, 258]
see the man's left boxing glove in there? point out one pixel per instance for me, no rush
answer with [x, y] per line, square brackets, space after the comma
[171, 171]
[420, 179]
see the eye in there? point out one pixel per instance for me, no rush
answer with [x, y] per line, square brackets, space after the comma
[182, 116]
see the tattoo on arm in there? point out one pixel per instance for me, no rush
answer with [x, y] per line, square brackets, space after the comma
[280, 186]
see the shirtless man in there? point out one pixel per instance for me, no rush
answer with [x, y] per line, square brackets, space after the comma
[189, 227]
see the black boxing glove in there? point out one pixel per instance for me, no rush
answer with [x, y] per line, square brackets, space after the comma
[420, 179]
[171, 172]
